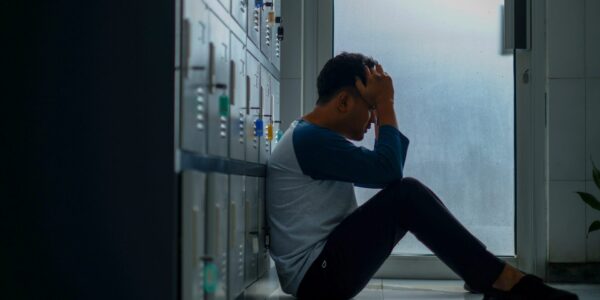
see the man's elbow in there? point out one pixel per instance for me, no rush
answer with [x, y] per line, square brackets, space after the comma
[395, 172]
[393, 168]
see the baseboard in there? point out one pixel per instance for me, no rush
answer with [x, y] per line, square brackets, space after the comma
[574, 272]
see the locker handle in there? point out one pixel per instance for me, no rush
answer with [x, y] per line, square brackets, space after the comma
[211, 67]
[272, 108]
[195, 255]
[220, 86]
[261, 101]
[233, 225]
[232, 82]
[216, 244]
[248, 94]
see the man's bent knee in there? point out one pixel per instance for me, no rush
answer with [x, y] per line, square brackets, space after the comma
[406, 182]
[412, 188]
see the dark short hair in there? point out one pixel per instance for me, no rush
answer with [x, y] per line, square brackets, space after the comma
[341, 71]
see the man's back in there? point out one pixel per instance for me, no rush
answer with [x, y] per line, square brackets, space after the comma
[301, 211]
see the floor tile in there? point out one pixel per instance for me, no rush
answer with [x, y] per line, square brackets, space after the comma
[584, 291]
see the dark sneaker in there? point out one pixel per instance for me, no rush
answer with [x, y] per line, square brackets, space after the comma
[530, 287]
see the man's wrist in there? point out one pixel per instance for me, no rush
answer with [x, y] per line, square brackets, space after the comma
[386, 114]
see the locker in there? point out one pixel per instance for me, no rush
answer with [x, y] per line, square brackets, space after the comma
[267, 22]
[276, 112]
[239, 9]
[263, 252]
[217, 232]
[236, 236]
[237, 117]
[276, 51]
[193, 186]
[266, 100]
[253, 18]
[219, 72]
[252, 242]
[194, 76]
[252, 108]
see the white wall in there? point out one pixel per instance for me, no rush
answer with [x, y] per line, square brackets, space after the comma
[573, 72]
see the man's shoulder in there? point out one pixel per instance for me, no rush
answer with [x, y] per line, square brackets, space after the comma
[308, 134]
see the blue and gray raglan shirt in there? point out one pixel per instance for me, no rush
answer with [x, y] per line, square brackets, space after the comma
[310, 189]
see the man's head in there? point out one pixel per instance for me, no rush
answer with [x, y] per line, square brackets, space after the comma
[346, 108]
[341, 71]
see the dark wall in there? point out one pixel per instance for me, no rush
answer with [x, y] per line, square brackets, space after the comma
[87, 181]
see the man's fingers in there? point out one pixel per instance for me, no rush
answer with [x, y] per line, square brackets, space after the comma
[368, 73]
[379, 69]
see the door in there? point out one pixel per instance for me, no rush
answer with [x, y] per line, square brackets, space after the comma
[456, 98]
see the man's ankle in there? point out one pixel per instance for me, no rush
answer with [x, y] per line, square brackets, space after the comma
[508, 278]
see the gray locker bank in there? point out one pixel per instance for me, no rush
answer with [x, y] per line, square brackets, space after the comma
[136, 162]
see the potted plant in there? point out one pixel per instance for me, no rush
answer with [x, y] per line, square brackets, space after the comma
[590, 200]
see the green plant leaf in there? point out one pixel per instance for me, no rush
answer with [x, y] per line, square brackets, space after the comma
[590, 200]
[594, 226]
[596, 174]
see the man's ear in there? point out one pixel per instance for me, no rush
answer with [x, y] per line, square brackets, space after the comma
[342, 101]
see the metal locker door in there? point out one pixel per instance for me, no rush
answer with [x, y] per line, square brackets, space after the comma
[239, 11]
[252, 243]
[237, 117]
[195, 35]
[218, 104]
[276, 112]
[252, 123]
[194, 76]
[263, 252]
[266, 100]
[267, 22]
[236, 236]
[276, 53]
[216, 231]
[193, 186]
[254, 24]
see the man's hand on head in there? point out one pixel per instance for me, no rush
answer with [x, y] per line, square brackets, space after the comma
[379, 90]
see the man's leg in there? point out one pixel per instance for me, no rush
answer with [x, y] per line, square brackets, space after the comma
[360, 244]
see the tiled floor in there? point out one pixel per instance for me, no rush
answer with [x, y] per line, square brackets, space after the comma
[379, 289]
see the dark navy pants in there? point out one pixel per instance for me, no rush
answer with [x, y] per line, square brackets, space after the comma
[359, 245]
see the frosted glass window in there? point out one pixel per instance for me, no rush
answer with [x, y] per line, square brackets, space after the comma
[454, 98]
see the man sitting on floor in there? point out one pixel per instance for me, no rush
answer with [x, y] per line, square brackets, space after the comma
[323, 245]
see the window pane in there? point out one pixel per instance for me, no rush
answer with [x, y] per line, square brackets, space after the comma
[454, 100]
